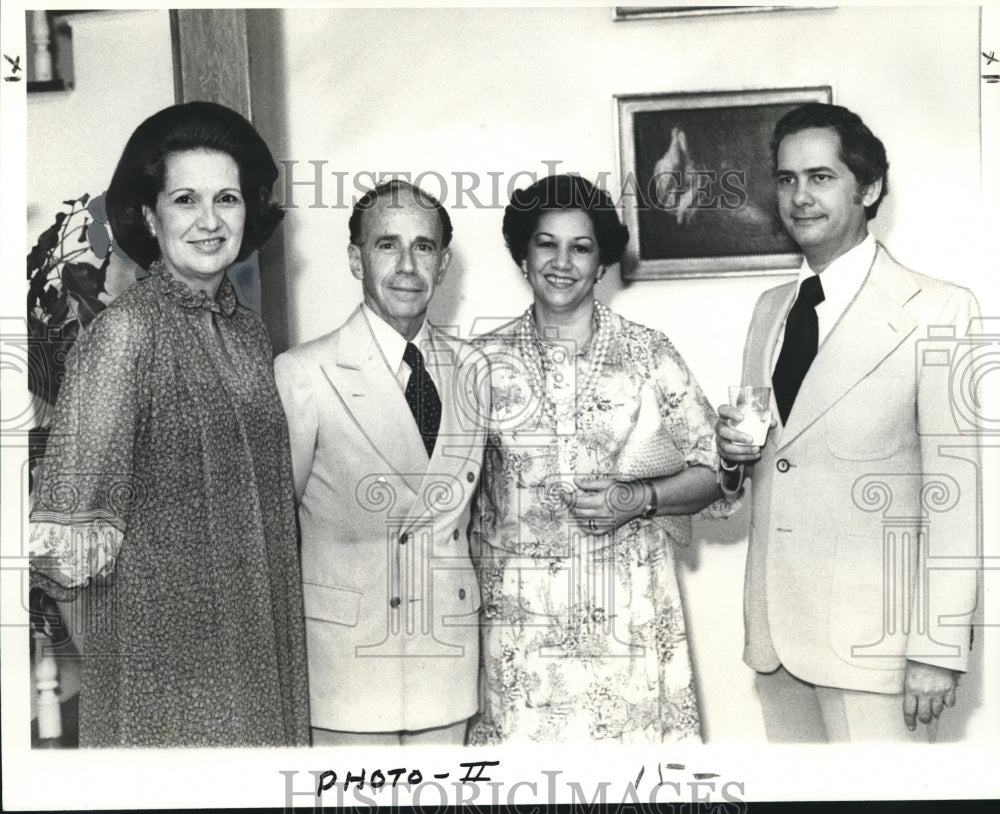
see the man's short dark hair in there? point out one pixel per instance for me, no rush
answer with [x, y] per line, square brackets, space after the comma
[141, 173]
[390, 190]
[860, 149]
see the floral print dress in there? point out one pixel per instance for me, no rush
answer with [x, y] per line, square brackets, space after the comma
[166, 489]
[583, 635]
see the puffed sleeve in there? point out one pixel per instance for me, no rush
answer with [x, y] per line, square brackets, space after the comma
[85, 486]
[684, 409]
[689, 417]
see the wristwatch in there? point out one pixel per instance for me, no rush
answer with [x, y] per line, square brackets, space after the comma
[649, 510]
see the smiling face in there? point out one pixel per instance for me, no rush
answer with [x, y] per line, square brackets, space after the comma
[199, 217]
[820, 202]
[400, 260]
[563, 260]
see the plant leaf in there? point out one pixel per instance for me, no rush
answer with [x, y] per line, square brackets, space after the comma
[49, 298]
[47, 241]
[100, 241]
[97, 209]
[87, 308]
[59, 312]
[84, 198]
[83, 279]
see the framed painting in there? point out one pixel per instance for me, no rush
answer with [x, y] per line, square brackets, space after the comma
[697, 187]
[649, 12]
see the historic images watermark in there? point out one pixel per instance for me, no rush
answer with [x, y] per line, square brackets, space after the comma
[313, 185]
[482, 786]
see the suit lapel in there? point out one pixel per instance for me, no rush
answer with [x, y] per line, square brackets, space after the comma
[871, 328]
[367, 386]
[762, 342]
[454, 448]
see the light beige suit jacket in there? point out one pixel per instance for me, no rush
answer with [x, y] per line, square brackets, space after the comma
[865, 511]
[390, 593]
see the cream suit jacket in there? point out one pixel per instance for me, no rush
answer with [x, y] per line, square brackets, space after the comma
[865, 513]
[391, 597]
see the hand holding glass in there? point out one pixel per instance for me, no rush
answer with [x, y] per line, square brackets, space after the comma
[755, 404]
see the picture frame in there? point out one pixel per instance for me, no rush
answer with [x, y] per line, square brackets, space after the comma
[620, 13]
[697, 187]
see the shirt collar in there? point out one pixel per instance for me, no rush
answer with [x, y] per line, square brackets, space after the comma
[390, 341]
[843, 277]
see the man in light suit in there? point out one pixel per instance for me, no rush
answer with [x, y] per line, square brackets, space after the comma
[385, 417]
[861, 572]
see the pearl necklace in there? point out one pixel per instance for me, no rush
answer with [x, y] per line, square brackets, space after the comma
[530, 344]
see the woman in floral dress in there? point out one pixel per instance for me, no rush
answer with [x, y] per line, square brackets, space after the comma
[164, 501]
[600, 449]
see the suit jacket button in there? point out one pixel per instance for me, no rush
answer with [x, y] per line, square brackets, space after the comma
[470, 477]
[783, 465]
[403, 538]
[461, 593]
[394, 602]
[455, 534]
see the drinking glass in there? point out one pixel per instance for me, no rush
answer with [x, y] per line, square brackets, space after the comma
[755, 404]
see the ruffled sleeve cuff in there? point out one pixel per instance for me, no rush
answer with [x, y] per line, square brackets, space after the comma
[71, 556]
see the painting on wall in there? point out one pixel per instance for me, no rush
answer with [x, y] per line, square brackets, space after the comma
[697, 187]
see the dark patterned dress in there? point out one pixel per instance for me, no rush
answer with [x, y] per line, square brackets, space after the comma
[583, 635]
[166, 489]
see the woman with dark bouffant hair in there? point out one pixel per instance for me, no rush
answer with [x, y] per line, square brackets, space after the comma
[163, 514]
[601, 446]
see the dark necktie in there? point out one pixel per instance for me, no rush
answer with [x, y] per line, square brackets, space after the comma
[799, 346]
[423, 398]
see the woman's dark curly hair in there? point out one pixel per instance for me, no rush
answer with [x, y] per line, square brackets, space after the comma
[556, 192]
[139, 176]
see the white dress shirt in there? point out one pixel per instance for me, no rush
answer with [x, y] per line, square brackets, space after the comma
[393, 345]
[841, 281]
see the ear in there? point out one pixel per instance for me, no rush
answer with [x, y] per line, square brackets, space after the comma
[150, 217]
[870, 193]
[354, 261]
[443, 265]
[601, 271]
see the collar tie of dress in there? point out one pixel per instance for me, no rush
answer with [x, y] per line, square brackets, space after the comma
[223, 303]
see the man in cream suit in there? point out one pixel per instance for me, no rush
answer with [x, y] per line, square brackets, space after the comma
[385, 416]
[861, 573]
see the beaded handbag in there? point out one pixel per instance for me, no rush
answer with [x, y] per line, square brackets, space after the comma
[649, 451]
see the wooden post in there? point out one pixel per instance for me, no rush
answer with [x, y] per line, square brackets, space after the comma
[228, 56]
[46, 684]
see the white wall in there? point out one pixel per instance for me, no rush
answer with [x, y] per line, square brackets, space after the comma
[503, 90]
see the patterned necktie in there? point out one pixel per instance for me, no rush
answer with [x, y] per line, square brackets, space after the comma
[799, 346]
[423, 398]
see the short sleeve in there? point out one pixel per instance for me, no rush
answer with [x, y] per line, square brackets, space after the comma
[684, 409]
[85, 487]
